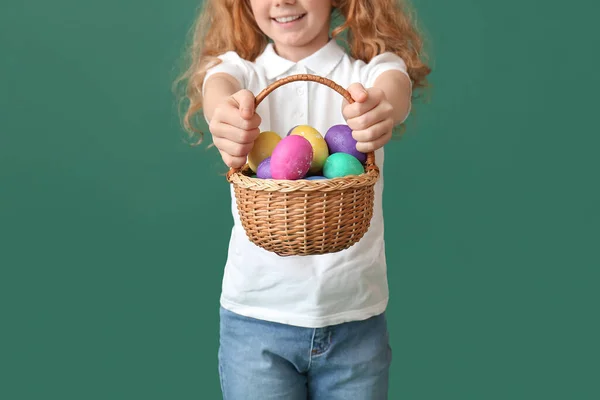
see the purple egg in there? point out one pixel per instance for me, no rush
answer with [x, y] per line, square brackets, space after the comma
[263, 171]
[290, 131]
[339, 140]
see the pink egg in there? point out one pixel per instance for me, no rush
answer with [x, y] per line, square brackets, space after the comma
[291, 158]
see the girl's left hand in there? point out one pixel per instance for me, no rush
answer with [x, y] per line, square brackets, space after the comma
[370, 117]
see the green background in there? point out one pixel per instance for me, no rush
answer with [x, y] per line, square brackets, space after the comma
[113, 230]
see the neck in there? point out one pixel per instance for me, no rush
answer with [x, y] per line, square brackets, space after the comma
[296, 54]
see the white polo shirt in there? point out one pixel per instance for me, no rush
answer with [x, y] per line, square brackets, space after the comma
[307, 291]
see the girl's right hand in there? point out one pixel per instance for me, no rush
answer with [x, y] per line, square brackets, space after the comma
[234, 127]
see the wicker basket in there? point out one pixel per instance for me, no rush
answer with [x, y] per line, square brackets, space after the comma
[305, 217]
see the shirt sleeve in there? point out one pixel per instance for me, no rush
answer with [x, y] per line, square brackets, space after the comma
[232, 64]
[382, 63]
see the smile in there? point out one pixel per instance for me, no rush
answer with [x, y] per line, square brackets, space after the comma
[285, 20]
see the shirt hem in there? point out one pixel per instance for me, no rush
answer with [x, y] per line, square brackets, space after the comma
[301, 321]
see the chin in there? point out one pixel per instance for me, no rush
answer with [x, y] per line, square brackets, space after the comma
[294, 41]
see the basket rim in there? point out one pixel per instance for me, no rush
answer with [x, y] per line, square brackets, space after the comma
[242, 180]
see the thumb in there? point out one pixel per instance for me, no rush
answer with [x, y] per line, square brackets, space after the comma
[357, 92]
[245, 100]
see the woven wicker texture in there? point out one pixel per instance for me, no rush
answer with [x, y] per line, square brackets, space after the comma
[305, 217]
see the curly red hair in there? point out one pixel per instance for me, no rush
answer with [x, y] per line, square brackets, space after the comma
[370, 26]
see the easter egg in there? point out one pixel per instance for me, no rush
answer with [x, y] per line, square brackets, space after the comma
[318, 143]
[264, 169]
[262, 148]
[291, 158]
[342, 164]
[290, 131]
[339, 140]
[315, 177]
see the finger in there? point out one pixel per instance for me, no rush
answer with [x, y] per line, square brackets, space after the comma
[233, 148]
[379, 113]
[358, 92]
[232, 161]
[366, 147]
[245, 101]
[355, 109]
[234, 118]
[373, 132]
[235, 134]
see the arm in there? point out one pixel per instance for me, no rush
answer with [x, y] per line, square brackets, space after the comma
[397, 89]
[216, 89]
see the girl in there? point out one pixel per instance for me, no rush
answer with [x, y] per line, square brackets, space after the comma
[303, 327]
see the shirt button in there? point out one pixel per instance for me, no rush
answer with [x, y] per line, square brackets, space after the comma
[300, 91]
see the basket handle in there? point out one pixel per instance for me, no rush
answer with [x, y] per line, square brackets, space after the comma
[369, 164]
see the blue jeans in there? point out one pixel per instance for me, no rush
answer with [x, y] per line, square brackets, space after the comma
[261, 360]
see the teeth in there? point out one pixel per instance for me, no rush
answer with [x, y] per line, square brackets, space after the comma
[287, 19]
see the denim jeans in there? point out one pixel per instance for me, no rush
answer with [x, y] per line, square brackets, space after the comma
[261, 360]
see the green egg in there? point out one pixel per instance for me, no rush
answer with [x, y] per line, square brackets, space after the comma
[342, 164]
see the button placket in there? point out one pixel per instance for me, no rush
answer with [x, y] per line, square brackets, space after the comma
[301, 90]
[305, 100]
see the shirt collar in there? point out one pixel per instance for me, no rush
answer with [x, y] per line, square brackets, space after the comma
[322, 62]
